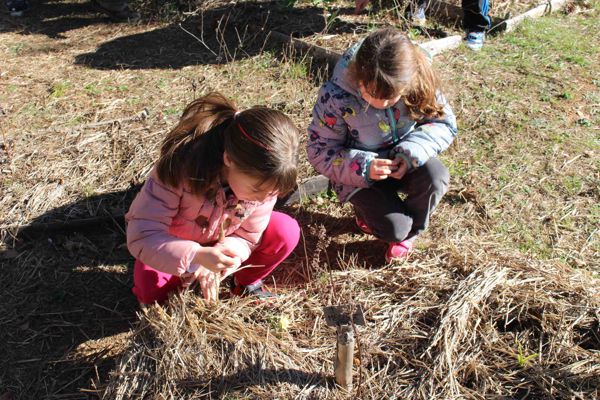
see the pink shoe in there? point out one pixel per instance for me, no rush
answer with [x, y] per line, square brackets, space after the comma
[398, 251]
[363, 226]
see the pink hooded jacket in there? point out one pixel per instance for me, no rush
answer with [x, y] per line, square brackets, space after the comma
[166, 226]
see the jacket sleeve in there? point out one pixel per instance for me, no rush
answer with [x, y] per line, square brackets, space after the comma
[326, 145]
[148, 221]
[429, 138]
[247, 237]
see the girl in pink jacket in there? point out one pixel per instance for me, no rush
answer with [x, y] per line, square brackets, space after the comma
[207, 207]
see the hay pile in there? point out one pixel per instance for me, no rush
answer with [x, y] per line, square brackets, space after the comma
[453, 327]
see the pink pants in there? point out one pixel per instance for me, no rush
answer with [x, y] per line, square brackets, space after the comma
[278, 241]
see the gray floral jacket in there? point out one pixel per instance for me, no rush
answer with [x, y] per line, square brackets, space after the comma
[346, 133]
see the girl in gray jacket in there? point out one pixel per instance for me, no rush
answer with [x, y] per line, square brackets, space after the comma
[377, 126]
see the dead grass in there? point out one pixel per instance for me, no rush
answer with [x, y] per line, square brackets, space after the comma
[444, 326]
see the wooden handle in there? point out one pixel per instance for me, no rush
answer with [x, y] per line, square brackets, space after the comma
[344, 356]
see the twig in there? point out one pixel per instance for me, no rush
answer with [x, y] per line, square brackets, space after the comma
[198, 39]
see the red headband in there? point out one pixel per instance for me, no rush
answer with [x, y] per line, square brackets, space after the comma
[256, 142]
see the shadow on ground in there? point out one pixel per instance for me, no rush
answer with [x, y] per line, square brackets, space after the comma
[59, 296]
[215, 36]
[62, 292]
[257, 375]
[52, 18]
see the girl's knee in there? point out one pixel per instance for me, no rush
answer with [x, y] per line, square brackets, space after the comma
[393, 228]
[438, 175]
[442, 180]
[151, 285]
[282, 235]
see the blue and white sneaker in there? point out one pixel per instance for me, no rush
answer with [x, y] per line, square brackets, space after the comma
[17, 8]
[474, 40]
[417, 17]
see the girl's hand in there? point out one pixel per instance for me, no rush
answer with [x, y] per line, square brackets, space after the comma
[208, 284]
[229, 252]
[207, 280]
[380, 168]
[215, 259]
[399, 167]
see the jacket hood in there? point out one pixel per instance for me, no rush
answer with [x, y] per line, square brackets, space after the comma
[341, 75]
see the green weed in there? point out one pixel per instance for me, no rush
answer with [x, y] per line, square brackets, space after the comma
[172, 111]
[573, 184]
[297, 71]
[118, 88]
[17, 48]
[88, 190]
[92, 89]
[59, 89]
[162, 83]
[265, 60]
[522, 359]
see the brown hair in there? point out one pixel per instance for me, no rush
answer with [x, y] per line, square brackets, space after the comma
[388, 64]
[261, 142]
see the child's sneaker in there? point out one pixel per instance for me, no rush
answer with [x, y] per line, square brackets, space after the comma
[418, 16]
[474, 40]
[255, 289]
[398, 251]
[363, 226]
[17, 8]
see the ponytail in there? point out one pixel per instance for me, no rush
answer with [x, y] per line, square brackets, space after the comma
[193, 150]
[260, 141]
[421, 99]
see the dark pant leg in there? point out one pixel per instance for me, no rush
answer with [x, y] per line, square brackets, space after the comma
[383, 211]
[424, 188]
[393, 219]
[475, 15]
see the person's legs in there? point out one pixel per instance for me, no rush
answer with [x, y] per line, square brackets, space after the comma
[278, 241]
[382, 210]
[476, 21]
[424, 188]
[475, 15]
[151, 285]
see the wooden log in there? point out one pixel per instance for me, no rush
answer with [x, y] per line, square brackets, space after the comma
[306, 189]
[438, 46]
[536, 12]
[319, 54]
[344, 356]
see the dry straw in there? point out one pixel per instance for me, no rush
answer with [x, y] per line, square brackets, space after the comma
[455, 328]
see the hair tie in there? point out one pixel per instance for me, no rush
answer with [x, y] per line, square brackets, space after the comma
[256, 142]
[235, 114]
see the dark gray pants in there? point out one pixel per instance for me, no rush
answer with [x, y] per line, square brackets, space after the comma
[392, 219]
